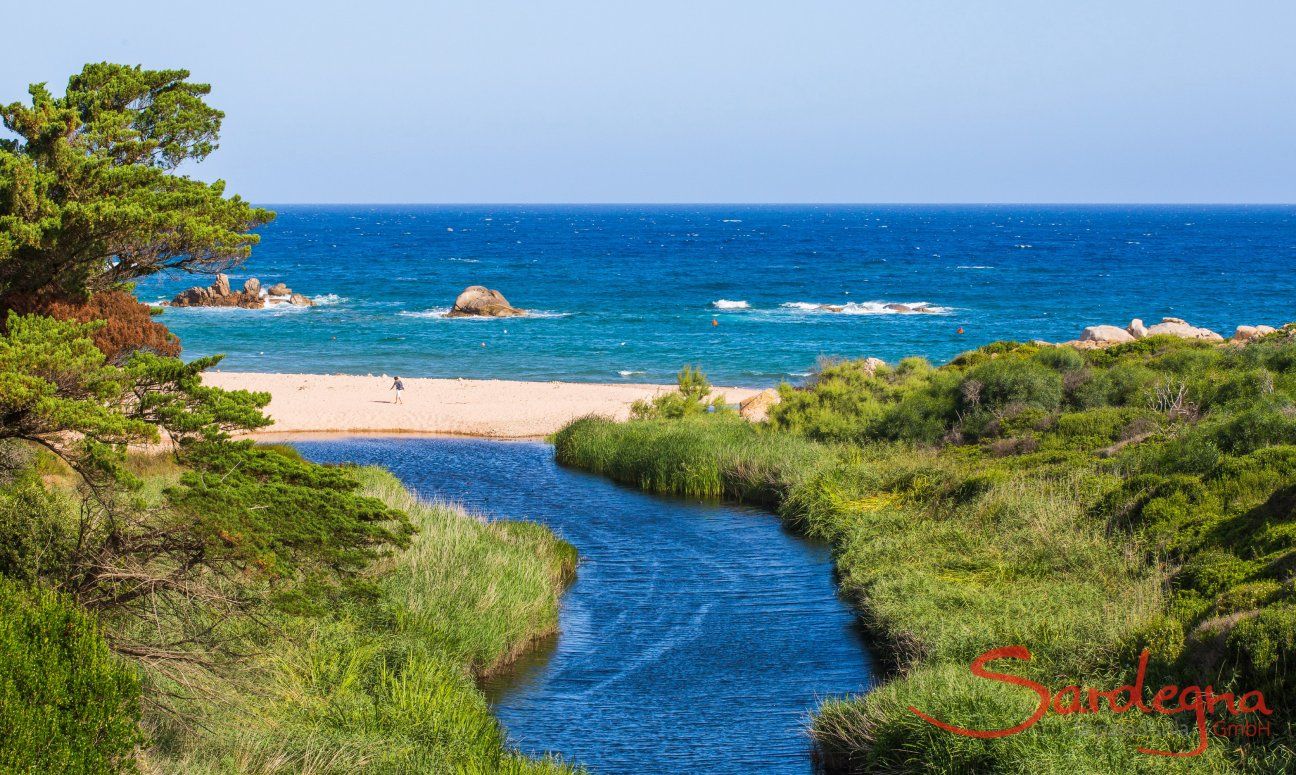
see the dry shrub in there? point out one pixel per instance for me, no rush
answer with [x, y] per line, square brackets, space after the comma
[129, 324]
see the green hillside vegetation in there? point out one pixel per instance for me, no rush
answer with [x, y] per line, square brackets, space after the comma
[174, 600]
[1086, 505]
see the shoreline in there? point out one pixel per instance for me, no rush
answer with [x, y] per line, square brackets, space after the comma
[344, 405]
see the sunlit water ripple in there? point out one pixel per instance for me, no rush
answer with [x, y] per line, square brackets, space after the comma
[697, 638]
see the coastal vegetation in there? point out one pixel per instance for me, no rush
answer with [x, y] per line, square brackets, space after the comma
[173, 599]
[387, 684]
[1087, 505]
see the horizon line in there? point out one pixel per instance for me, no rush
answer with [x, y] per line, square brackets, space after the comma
[779, 204]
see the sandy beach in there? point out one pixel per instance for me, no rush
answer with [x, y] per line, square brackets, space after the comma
[315, 404]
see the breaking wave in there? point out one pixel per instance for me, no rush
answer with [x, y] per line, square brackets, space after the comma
[868, 308]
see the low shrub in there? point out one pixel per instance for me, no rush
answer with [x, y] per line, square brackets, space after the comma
[67, 704]
[693, 397]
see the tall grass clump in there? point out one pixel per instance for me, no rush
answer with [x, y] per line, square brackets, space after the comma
[388, 684]
[1087, 505]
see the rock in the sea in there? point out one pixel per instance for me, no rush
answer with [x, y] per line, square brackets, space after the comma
[480, 301]
[1136, 329]
[196, 296]
[1106, 335]
[1180, 328]
[909, 309]
[279, 289]
[756, 408]
[220, 295]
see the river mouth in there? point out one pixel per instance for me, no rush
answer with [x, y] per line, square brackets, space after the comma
[698, 637]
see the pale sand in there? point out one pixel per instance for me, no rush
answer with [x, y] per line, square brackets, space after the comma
[336, 404]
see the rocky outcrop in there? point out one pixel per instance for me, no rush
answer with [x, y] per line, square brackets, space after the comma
[1180, 328]
[756, 408]
[253, 296]
[1106, 335]
[480, 301]
[1095, 337]
[1245, 334]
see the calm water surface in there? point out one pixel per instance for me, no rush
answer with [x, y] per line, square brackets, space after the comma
[697, 638]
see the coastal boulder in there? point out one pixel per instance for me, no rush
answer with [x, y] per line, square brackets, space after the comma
[219, 294]
[1180, 328]
[279, 289]
[196, 296]
[1136, 329]
[756, 408]
[1104, 336]
[480, 301]
[909, 309]
[1245, 334]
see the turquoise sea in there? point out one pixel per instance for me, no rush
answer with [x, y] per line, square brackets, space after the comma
[633, 292]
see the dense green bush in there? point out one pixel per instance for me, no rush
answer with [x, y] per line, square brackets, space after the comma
[36, 535]
[692, 397]
[67, 704]
[1002, 383]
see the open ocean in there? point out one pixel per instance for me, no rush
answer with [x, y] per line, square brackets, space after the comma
[631, 292]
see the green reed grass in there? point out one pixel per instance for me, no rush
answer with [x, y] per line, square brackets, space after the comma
[944, 563]
[388, 685]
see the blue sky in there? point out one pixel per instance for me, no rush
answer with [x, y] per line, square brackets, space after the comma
[709, 101]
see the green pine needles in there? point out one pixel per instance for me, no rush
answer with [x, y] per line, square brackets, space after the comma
[89, 196]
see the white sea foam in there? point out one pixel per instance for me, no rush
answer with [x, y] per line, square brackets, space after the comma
[439, 312]
[868, 308]
[729, 304]
[974, 266]
[630, 373]
[328, 300]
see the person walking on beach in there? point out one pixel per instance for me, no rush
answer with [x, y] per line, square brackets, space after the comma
[398, 386]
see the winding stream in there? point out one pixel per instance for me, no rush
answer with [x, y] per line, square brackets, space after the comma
[697, 638]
